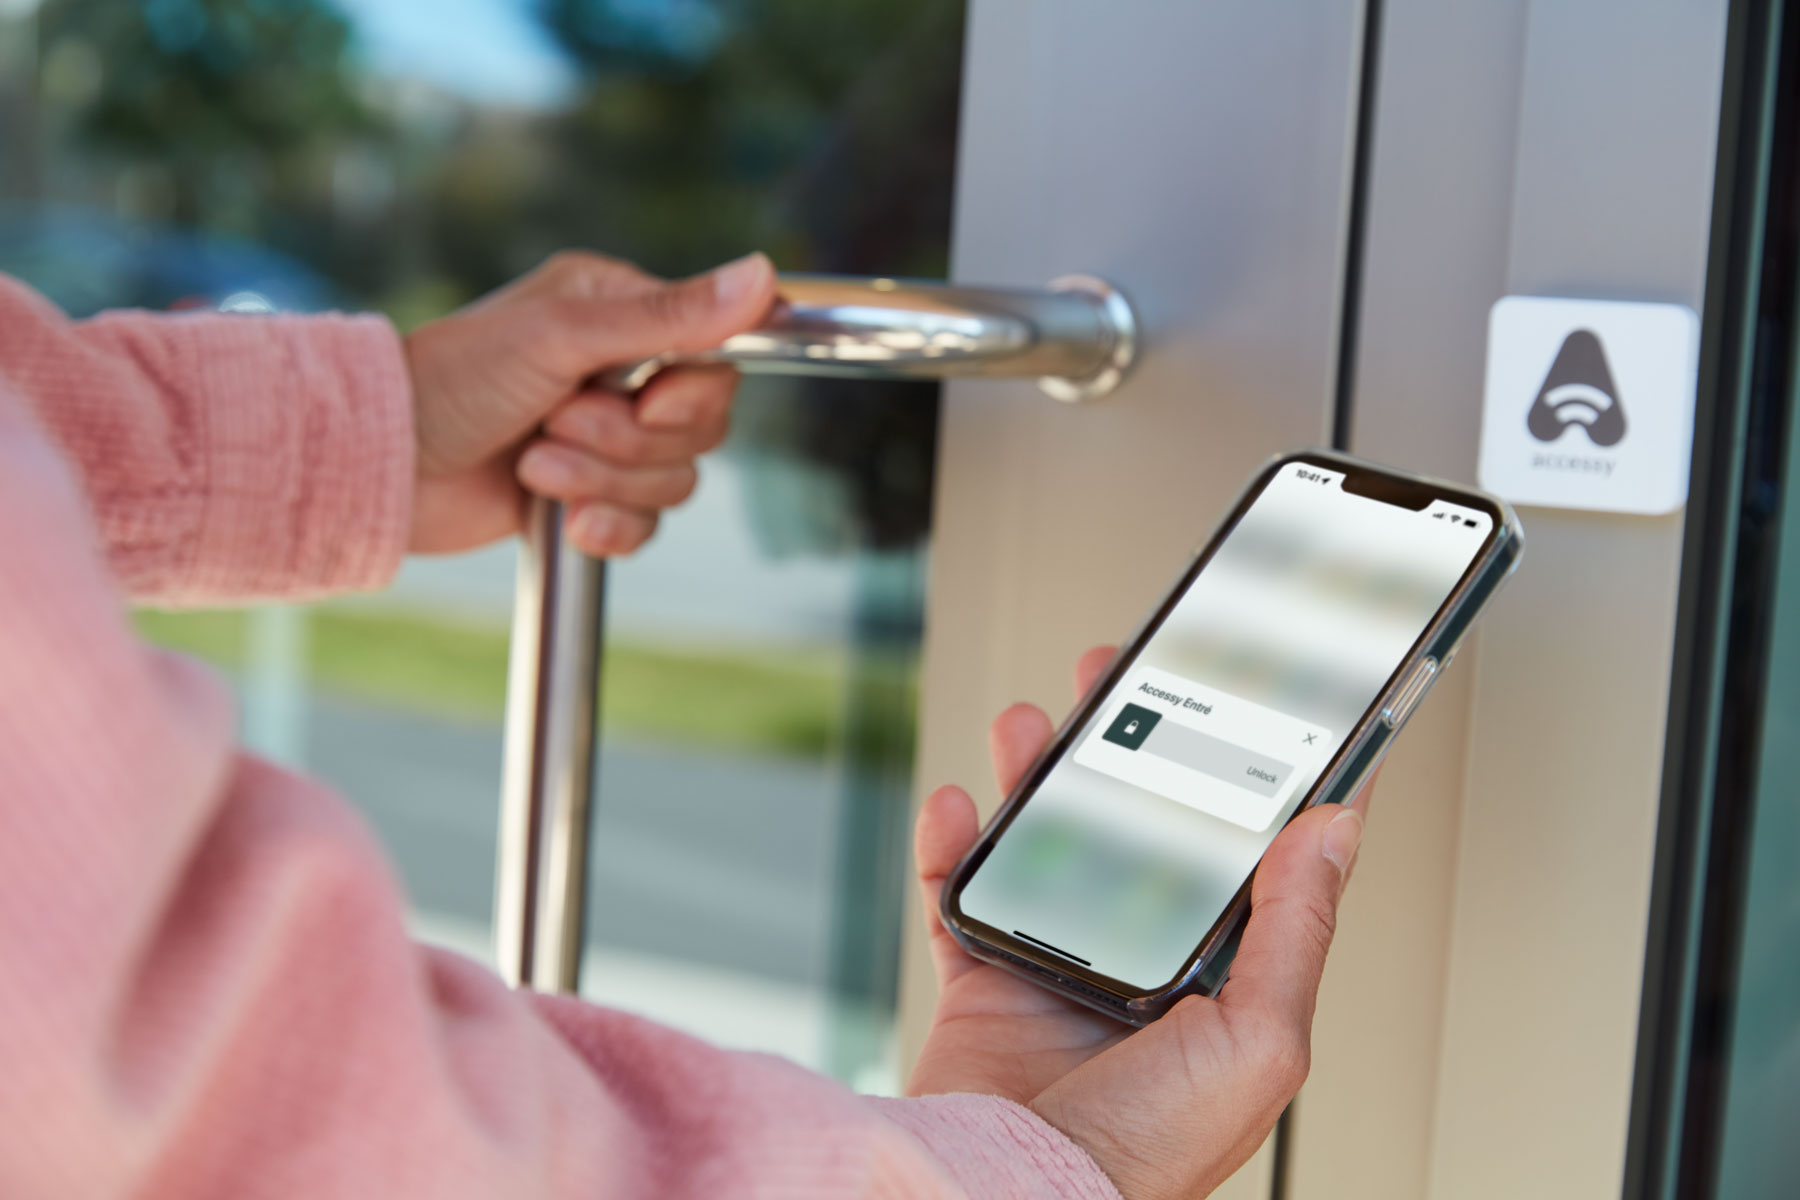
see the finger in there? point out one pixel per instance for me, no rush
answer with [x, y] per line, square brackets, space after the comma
[588, 323]
[582, 274]
[687, 398]
[946, 828]
[1360, 804]
[606, 425]
[1090, 666]
[1293, 914]
[562, 472]
[1016, 738]
[608, 531]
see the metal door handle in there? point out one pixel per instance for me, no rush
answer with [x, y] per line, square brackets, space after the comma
[1078, 337]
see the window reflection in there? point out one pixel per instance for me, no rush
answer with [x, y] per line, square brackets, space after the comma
[758, 704]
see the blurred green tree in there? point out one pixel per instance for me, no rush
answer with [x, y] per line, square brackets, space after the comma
[187, 79]
[823, 132]
[239, 105]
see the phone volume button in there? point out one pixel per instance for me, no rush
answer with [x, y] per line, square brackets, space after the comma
[1407, 698]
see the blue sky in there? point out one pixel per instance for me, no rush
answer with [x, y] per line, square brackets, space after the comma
[490, 51]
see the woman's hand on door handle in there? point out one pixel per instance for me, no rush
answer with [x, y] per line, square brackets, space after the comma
[503, 401]
[1173, 1109]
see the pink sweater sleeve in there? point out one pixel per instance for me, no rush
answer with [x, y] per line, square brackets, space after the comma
[206, 988]
[225, 458]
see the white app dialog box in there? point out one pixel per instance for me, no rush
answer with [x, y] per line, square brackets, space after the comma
[1204, 748]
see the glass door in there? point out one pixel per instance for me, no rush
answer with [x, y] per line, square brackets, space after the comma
[759, 700]
[751, 806]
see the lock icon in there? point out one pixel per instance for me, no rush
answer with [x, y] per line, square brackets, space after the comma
[1131, 726]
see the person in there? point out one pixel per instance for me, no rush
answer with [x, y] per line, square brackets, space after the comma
[207, 987]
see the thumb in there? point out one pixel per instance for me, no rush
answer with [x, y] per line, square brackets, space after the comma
[946, 828]
[684, 315]
[1293, 914]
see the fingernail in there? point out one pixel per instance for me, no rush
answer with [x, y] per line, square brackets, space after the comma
[1342, 836]
[596, 528]
[669, 408]
[543, 466]
[581, 425]
[736, 279]
[676, 413]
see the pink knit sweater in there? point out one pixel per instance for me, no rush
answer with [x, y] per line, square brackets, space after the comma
[206, 987]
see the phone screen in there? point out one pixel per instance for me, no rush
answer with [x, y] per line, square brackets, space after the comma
[1139, 836]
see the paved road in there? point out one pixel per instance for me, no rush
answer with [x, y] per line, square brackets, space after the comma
[720, 859]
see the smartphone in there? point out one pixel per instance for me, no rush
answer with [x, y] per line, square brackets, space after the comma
[1273, 677]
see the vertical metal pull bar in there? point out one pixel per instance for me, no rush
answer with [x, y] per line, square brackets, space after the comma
[552, 690]
[1078, 338]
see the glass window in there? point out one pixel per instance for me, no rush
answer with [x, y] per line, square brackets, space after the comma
[1761, 998]
[761, 654]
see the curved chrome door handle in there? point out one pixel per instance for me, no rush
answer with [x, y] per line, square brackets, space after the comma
[1078, 338]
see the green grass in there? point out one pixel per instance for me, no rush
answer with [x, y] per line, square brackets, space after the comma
[782, 703]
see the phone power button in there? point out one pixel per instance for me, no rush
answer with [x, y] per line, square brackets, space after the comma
[1395, 712]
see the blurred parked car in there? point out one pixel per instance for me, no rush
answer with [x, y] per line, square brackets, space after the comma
[87, 261]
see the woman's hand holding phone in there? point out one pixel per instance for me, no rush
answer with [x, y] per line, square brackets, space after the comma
[1175, 1108]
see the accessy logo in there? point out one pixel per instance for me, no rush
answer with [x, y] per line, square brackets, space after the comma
[1589, 403]
[1578, 391]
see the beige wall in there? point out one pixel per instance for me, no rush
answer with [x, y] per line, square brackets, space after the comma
[1119, 139]
[1547, 148]
[1478, 1023]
